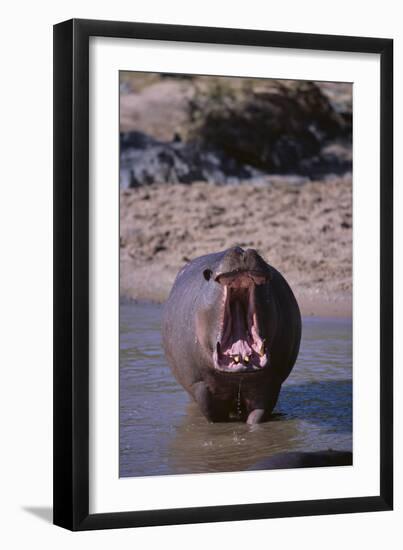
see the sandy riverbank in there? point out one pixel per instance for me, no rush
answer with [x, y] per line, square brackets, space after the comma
[305, 231]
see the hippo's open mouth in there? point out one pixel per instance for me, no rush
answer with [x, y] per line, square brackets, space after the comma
[240, 347]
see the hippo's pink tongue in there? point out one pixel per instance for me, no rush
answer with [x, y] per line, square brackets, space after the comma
[240, 347]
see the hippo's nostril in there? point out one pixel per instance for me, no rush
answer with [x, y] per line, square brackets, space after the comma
[207, 273]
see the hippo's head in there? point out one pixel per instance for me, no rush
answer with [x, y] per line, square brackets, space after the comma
[232, 319]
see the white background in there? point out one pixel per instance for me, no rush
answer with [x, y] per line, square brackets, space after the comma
[26, 224]
[108, 492]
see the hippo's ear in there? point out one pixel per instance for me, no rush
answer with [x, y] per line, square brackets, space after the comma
[207, 273]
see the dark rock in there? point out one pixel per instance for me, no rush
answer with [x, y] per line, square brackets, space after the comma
[274, 129]
[285, 130]
[144, 160]
[304, 460]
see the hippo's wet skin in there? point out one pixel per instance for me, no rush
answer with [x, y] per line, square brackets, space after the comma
[231, 334]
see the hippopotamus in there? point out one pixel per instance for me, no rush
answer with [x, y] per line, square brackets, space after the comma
[231, 332]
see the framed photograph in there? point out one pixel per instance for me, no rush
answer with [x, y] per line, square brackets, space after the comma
[223, 235]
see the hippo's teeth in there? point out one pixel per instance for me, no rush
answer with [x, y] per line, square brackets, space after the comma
[236, 358]
[262, 348]
[246, 359]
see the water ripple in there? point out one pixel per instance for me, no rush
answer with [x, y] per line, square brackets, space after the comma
[162, 432]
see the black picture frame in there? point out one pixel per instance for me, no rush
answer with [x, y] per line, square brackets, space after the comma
[71, 274]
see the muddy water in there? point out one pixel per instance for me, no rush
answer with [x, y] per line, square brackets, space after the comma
[162, 431]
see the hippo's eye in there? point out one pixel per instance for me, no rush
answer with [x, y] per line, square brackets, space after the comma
[207, 273]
